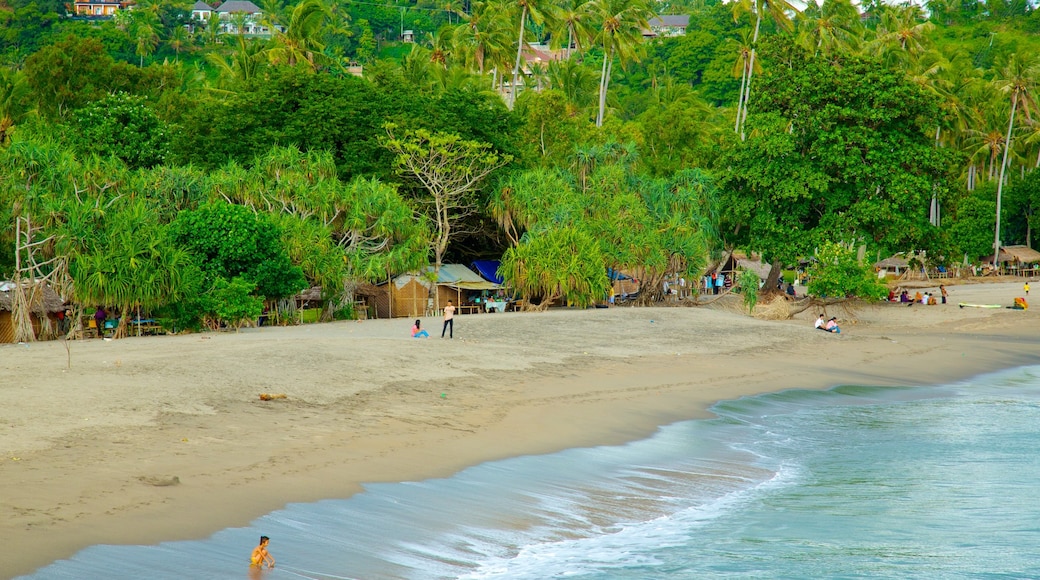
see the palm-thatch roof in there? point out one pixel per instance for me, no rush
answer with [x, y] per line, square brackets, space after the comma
[51, 301]
[1020, 254]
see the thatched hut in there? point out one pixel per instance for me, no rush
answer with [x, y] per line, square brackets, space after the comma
[44, 314]
[1022, 260]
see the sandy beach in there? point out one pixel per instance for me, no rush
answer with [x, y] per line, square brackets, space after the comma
[151, 439]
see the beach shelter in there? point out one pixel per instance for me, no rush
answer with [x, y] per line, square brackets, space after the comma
[488, 269]
[455, 282]
[43, 315]
[1022, 259]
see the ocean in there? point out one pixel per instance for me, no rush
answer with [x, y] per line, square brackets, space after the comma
[851, 482]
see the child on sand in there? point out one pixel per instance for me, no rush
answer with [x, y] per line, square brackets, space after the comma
[418, 332]
[260, 555]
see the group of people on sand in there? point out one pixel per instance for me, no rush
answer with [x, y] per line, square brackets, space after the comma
[829, 325]
[449, 324]
[919, 297]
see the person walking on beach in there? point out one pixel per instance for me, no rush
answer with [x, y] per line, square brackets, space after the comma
[261, 556]
[1026, 288]
[449, 320]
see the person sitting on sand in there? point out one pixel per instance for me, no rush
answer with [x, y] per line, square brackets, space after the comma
[821, 323]
[832, 326]
[418, 332]
[260, 555]
[904, 297]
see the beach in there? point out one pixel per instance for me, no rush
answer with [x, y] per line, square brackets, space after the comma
[162, 438]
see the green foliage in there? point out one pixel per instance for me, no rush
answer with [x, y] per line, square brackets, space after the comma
[122, 126]
[837, 273]
[231, 240]
[835, 150]
[233, 302]
[748, 283]
[564, 263]
[971, 229]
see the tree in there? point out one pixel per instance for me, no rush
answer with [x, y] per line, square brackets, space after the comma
[1018, 79]
[538, 10]
[13, 93]
[229, 240]
[837, 155]
[301, 42]
[123, 126]
[451, 170]
[559, 263]
[837, 273]
[620, 33]
[777, 11]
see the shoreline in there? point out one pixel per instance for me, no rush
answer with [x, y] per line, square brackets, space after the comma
[98, 446]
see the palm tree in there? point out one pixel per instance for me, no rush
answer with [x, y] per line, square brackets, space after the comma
[902, 27]
[483, 37]
[539, 10]
[1017, 79]
[301, 41]
[778, 11]
[575, 80]
[835, 26]
[620, 33]
[572, 17]
[145, 40]
[178, 39]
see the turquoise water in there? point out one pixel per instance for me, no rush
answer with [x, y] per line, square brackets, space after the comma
[854, 482]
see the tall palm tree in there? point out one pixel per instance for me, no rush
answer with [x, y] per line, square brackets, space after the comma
[1017, 79]
[902, 32]
[776, 10]
[572, 17]
[301, 42]
[178, 39]
[538, 11]
[620, 33]
[484, 36]
[833, 27]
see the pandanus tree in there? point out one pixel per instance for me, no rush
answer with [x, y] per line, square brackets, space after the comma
[1017, 79]
[13, 89]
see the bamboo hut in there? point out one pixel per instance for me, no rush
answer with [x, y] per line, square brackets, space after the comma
[1021, 260]
[407, 295]
[44, 314]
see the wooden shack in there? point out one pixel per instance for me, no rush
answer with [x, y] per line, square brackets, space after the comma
[44, 313]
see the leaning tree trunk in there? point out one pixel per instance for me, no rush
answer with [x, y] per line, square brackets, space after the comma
[772, 279]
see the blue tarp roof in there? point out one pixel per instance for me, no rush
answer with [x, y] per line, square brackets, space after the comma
[615, 275]
[488, 269]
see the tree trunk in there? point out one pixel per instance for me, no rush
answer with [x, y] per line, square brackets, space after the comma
[743, 81]
[742, 111]
[602, 89]
[519, 51]
[1000, 184]
[772, 278]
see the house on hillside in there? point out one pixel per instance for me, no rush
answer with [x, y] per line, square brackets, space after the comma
[201, 11]
[667, 25]
[98, 9]
[234, 13]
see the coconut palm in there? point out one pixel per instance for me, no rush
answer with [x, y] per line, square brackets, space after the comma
[620, 25]
[301, 41]
[902, 32]
[177, 40]
[575, 80]
[538, 10]
[779, 12]
[833, 27]
[484, 35]
[1017, 78]
[572, 17]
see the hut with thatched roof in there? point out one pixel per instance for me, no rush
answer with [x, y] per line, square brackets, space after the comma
[43, 314]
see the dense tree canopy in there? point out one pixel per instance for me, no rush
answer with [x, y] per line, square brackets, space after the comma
[162, 157]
